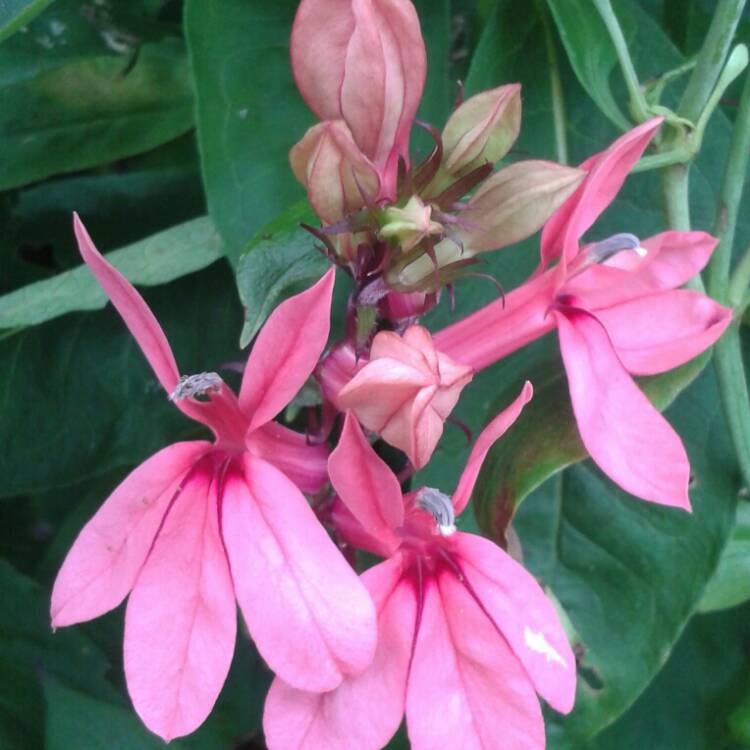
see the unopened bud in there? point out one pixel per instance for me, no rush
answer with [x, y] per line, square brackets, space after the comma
[482, 129]
[339, 178]
[409, 225]
[515, 202]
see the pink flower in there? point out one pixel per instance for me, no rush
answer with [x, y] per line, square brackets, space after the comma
[201, 523]
[618, 312]
[363, 62]
[406, 391]
[466, 637]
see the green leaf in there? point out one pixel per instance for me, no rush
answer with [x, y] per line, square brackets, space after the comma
[248, 110]
[78, 398]
[590, 51]
[158, 259]
[75, 719]
[79, 109]
[689, 703]
[280, 257]
[730, 583]
[17, 13]
[629, 573]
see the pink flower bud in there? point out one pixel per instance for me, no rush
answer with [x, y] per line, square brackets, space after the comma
[364, 62]
[482, 129]
[339, 178]
[515, 202]
[406, 391]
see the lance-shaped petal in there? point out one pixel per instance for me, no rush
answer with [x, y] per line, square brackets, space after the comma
[688, 323]
[344, 718]
[104, 562]
[515, 202]
[465, 682]
[338, 177]
[482, 129]
[406, 391]
[606, 173]
[286, 351]
[181, 619]
[670, 260]
[624, 434]
[316, 623]
[373, 493]
[523, 614]
[487, 438]
[364, 62]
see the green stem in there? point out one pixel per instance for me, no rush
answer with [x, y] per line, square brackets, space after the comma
[638, 103]
[730, 373]
[730, 368]
[675, 188]
[739, 282]
[730, 194]
[558, 99]
[711, 58]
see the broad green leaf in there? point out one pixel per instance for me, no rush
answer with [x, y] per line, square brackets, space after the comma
[16, 13]
[78, 398]
[281, 256]
[158, 259]
[629, 573]
[546, 439]
[688, 705]
[249, 113]
[29, 649]
[590, 51]
[75, 719]
[93, 112]
[730, 583]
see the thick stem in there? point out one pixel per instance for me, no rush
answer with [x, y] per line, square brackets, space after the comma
[638, 103]
[730, 369]
[675, 188]
[711, 58]
[730, 372]
[730, 194]
[740, 282]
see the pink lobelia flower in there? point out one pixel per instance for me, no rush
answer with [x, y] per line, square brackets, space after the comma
[405, 391]
[617, 314]
[363, 62]
[465, 635]
[202, 523]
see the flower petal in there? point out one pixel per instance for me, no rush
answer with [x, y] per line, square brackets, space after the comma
[307, 611]
[523, 614]
[466, 688]
[108, 554]
[140, 321]
[624, 434]
[365, 711]
[688, 323]
[672, 258]
[286, 352]
[492, 432]
[181, 619]
[366, 485]
[304, 463]
[607, 172]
